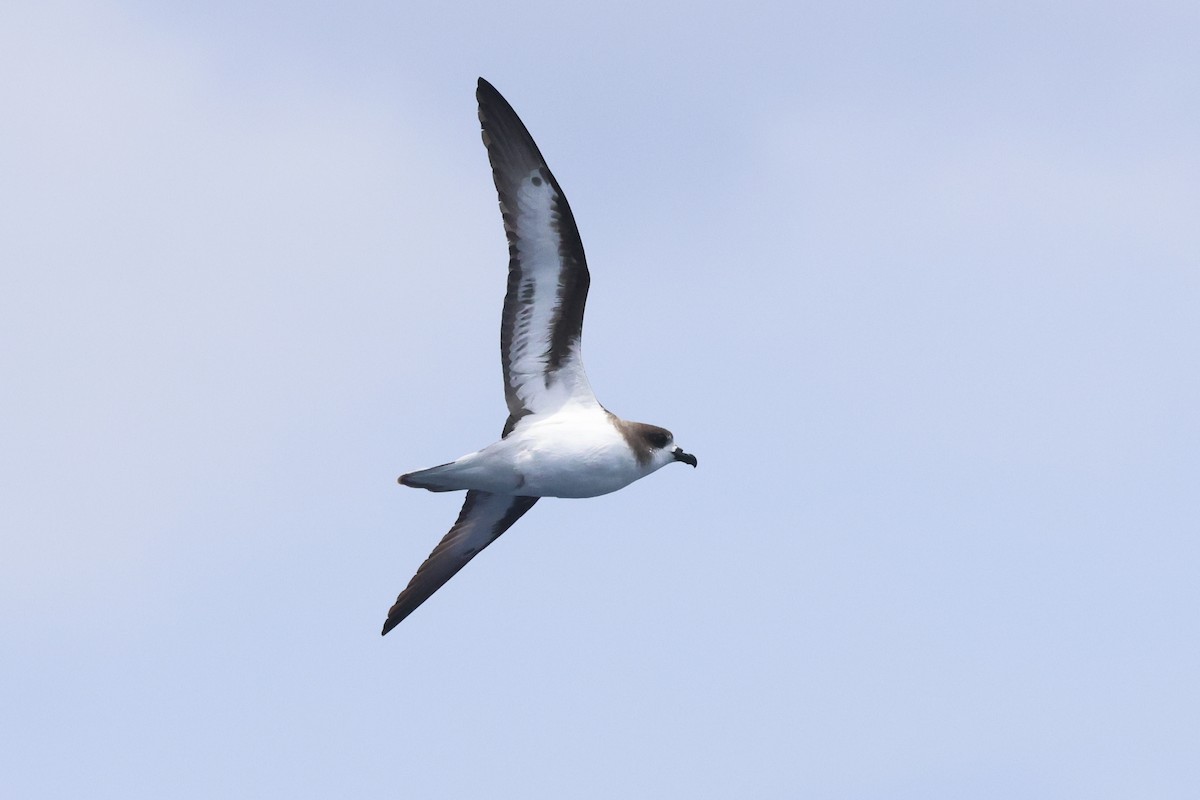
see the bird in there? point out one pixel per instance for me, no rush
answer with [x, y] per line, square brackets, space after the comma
[558, 440]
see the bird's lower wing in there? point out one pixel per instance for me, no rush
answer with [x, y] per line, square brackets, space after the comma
[483, 518]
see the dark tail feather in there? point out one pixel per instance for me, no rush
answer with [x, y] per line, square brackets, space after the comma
[414, 479]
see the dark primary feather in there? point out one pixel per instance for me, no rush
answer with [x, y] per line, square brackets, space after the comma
[483, 518]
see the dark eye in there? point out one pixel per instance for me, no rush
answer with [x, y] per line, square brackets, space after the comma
[659, 439]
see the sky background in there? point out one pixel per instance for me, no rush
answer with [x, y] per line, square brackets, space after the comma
[917, 282]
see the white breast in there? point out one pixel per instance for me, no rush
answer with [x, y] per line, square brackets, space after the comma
[576, 452]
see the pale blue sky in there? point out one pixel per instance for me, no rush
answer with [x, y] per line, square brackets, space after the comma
[918, 283]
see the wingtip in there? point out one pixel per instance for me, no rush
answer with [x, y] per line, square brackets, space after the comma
[393, 620]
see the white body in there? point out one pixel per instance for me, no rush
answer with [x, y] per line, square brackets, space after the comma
[576, 452]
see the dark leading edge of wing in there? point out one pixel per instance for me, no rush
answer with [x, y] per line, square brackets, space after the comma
[514, 156]
[483, 518]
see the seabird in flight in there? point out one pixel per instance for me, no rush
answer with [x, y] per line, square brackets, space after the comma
[558, 440]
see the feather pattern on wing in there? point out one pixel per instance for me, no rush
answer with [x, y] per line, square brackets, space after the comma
[548, 279]
[483, 518]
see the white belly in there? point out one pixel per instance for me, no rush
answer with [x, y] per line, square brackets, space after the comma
[576, 454]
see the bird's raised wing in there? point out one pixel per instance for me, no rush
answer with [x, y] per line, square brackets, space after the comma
[483, 518]
[547, 272]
